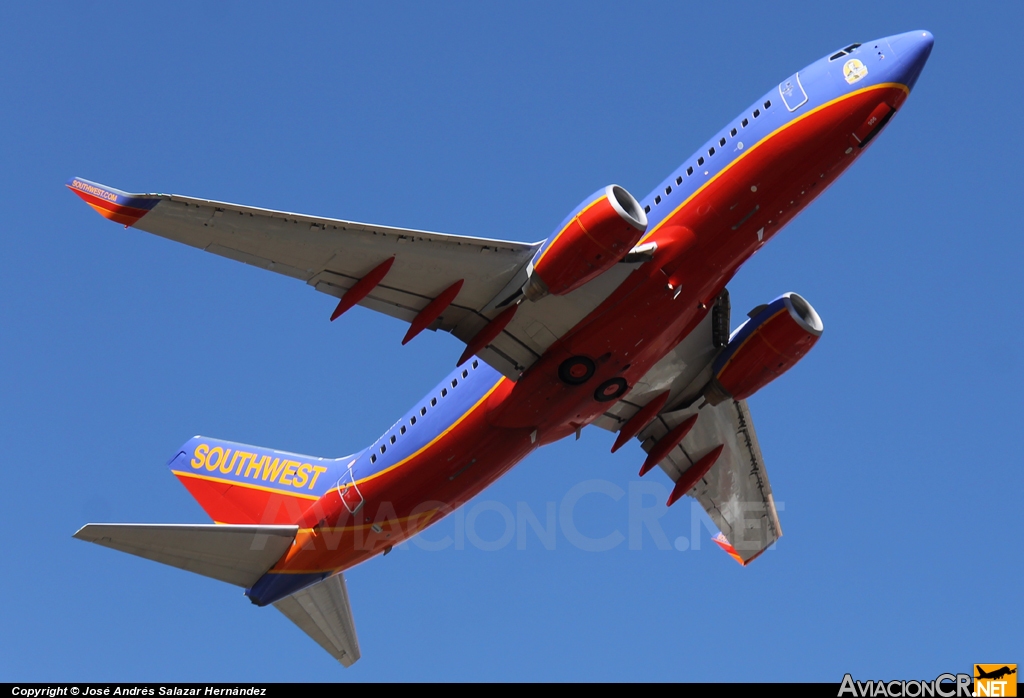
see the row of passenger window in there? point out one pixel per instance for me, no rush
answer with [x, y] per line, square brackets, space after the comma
[423, 413]
[711, 151]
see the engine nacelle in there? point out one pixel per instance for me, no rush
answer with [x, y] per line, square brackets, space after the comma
[776, 336]
[591, 240]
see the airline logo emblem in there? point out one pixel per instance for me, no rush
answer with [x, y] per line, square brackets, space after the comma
[854, 70]
[258, 468]
[93, 190]
[995, 680]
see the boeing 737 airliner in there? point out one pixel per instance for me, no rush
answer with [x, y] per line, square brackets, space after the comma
[619, 319]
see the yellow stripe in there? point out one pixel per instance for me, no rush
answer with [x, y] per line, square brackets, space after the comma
[555, 239]
[436, 438]
[428, 514]
[750, 337]
[182, 473]
[884, 85]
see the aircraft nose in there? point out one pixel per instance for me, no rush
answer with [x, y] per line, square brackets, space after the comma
[912, 49]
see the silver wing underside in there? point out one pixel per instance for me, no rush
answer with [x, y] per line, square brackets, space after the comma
[236, 554]
[332, 255]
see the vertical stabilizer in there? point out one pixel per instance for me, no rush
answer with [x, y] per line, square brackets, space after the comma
[239, 484]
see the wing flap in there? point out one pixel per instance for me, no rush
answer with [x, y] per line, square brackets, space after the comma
[344, 248]
[235, 554]
[322, 611]
[735, 492]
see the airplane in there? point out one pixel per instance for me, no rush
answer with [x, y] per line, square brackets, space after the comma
[620, 319]
[994, 674]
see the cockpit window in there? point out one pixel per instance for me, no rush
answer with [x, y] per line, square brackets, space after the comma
[849, 49]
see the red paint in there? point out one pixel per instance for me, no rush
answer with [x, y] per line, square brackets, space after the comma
[433, 310]
[693, 475]
[593, 241]
[485, 336]
[640, 420]
[872, 122]
[362, 287]
[665, 445]
[226, 502]
[125, 215]
[771, 350]
[673, 242]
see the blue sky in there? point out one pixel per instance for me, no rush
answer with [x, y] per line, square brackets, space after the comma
[892, 446]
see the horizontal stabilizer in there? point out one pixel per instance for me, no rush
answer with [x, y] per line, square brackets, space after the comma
[237, 555]
[322, 611]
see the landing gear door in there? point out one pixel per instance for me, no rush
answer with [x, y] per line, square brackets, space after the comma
[349, 492]
[792, 92]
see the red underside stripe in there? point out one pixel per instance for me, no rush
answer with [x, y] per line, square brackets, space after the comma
[126, 215]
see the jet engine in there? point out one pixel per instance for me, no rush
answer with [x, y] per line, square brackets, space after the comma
[591, 240]
[776, 336]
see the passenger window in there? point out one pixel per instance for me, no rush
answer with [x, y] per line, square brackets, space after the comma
[689, 171]
[423, 413]
[433, 402]
[444, 392]
[455, 382]
[475, 364]
[373, 457]
[700, 160]
[668, 190]
[647, 209]
[744, 124]
[731, 133]
[657, 199]
[412, 420]
[768, 104]
[383, 448]
[711, 151]
[757, 113]
[402, 429]
[679, 179]
[721, 142]
[393, 437]
[465, 373]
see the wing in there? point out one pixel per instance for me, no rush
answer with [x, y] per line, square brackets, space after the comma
[333, 255]
[237, 555]
[735, 492]
[322, 611]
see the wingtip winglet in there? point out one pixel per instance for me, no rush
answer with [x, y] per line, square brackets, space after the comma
[725, 545]
[113, 204]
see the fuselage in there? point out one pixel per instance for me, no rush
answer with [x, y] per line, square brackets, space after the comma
[707, 217]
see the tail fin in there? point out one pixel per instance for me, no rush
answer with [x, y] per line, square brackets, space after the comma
[239, 484]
